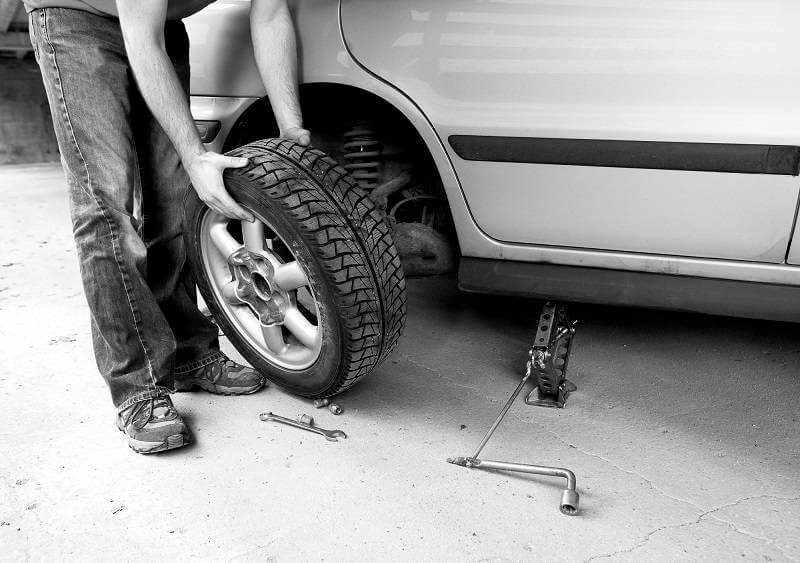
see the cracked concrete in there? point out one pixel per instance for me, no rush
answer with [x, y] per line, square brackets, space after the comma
[683, 435]
[789, 552]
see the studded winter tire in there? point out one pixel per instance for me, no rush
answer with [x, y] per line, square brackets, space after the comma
[312, 293]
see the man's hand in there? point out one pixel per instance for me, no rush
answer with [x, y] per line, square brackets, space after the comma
[298, 135]
[205, 172]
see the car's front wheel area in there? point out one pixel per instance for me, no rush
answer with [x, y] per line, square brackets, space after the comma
[312, 293]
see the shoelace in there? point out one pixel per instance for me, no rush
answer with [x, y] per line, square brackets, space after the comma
[160, 407]
[221, 368]
[228, 363]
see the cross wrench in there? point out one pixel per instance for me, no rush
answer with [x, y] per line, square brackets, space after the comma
[330, 435]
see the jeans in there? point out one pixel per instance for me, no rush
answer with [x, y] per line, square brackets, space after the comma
[126, 188]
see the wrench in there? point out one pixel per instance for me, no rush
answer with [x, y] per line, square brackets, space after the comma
[330, 435]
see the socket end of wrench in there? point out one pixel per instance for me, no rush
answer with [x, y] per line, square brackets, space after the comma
[463, 461]
[569, 502]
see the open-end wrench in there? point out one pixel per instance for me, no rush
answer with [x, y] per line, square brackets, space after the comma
[331, 435]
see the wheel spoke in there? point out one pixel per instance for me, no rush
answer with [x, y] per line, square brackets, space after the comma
[273, 338]
[223, 240]
[253, 234]
[290, 276]
[299, 326]
[229, 294]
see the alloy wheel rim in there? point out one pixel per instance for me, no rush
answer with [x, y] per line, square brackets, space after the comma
[262, 289]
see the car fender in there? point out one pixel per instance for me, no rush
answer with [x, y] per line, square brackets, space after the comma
[225, 80]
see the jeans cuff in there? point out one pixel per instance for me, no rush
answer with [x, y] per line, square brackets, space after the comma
[212, 357]
[143, 396]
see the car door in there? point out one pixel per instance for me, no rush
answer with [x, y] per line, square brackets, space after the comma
[629, 125]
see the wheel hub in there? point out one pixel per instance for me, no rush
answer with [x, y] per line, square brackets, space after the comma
[256, 286]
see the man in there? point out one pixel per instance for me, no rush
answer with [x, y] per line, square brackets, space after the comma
[117, 75]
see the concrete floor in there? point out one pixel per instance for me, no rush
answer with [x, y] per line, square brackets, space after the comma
[683, 434]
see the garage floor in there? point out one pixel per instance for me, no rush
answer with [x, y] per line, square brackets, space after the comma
[684, 436]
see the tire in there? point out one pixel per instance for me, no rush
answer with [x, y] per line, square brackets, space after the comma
[320, 230]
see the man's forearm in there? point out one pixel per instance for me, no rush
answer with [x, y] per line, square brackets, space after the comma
[162, 90]
[275, 49]
[142, 23]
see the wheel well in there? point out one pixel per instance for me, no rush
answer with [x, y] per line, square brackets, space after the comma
[339, 114]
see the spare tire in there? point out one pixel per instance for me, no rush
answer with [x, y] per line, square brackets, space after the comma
[312, 294]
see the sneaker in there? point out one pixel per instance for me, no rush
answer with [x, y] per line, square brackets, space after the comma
[153, 425]
[223, 376]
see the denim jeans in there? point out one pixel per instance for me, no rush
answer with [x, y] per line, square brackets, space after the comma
[126, 187]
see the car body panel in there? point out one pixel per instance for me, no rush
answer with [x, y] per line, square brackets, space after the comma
[221, 52]
[653, 211]
[325, 59]
[226, 110]
[688, 71]
[793, 256]
[619, 287]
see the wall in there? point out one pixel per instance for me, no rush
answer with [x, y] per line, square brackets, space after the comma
[26, 130]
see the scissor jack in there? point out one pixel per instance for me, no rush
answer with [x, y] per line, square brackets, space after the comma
[547, 361]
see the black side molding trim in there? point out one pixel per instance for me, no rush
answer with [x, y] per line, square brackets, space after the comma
[639, 289]
[701, 157]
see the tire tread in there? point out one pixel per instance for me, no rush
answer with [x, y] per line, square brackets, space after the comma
[351, 240]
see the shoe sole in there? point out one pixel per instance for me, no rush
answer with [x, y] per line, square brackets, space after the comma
[206, 385]
[172, 442]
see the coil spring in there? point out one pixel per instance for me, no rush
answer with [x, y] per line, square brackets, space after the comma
[362, 155]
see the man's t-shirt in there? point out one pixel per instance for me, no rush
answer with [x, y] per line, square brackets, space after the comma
[176, 10]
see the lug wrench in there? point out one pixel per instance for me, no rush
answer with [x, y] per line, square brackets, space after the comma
[569, 498]
[330, 435]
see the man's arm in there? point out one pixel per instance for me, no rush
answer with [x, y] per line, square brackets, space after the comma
[142, 23]
[275, 47]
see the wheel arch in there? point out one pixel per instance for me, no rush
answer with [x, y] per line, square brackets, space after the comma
[257, 121]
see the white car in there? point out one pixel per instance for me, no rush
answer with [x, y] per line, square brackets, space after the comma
[635, 152]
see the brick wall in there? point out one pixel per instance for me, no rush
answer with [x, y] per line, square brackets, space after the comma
[26, 130]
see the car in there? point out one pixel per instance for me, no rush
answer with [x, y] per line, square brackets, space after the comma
[619, 152]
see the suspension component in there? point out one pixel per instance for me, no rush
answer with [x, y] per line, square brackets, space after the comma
[362, 152]
[380, 194]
